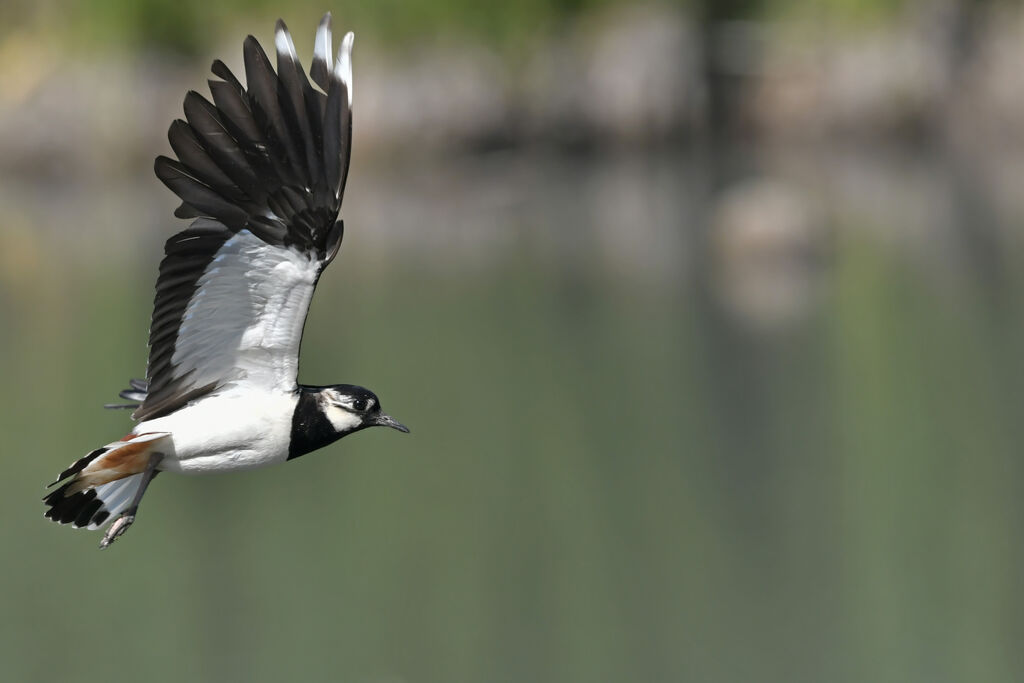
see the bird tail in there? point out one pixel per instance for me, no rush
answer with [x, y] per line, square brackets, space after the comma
[101, 485]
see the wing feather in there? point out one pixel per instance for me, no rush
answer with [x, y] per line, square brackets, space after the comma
[192, 154]
[292, 96]
[337, 130]
[322, 65]
[262, 169]
[264, 87]
[221, 147]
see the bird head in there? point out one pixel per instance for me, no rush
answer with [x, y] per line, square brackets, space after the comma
[350, 408]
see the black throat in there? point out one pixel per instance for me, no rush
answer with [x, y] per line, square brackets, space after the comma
[310, 427]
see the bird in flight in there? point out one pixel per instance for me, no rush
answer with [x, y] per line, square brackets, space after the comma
[261, 169]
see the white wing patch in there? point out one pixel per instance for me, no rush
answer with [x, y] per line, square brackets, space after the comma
[343, 70]
[322, 44]
[244, 322]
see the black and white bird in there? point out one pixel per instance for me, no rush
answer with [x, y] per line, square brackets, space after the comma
[262, 170]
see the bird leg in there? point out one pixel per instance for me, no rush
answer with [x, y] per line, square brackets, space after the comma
[126, 518]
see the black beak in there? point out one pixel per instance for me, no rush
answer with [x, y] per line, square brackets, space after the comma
[384, 420]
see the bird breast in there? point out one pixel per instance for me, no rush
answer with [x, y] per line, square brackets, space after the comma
[228, 430]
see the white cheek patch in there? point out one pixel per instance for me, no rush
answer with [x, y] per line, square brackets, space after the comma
[341, 419]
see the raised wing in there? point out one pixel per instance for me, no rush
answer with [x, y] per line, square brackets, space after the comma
[262, 169]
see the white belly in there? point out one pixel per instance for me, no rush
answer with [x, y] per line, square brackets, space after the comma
[230, 430]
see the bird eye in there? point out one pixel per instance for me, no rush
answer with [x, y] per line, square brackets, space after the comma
[359, 404]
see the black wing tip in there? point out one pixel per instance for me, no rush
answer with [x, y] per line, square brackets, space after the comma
[252, 48]
[221, 70]
[163, 164]
[274, 137]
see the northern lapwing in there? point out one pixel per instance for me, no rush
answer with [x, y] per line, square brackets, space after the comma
[261, 169]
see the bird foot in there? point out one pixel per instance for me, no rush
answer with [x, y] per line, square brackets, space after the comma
[119, 526]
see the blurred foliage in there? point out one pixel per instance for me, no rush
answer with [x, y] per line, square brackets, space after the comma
[841, 11]
[191, 27]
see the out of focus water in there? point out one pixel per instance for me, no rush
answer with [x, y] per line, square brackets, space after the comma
[688, 417]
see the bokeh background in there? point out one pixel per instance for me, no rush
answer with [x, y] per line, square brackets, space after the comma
[706, 318]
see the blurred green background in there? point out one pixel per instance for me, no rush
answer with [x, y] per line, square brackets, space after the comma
[705, 317]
